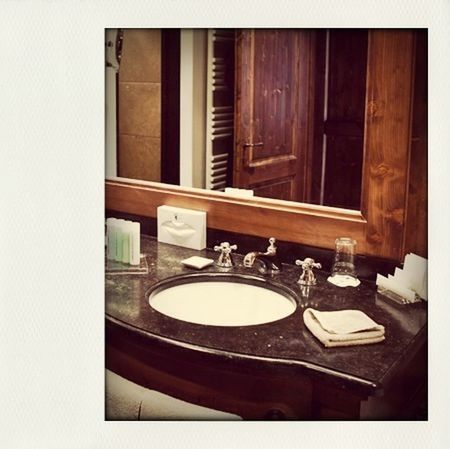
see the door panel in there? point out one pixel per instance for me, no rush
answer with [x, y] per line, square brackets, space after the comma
[342, 185]
[340, 94]
[273, 85]
[278, 188]
[272, 104]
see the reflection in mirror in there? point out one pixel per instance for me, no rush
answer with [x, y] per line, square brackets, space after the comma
[279, 112]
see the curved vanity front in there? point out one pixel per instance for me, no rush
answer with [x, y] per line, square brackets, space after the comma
[270, 370]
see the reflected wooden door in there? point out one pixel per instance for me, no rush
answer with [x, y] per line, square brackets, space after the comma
[272, 108]
[340, 97]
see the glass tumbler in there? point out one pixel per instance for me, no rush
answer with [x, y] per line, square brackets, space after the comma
[344, 264]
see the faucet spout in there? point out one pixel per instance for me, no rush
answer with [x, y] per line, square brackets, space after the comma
[269, 261]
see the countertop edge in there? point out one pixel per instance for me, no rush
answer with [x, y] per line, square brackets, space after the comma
[361, 382]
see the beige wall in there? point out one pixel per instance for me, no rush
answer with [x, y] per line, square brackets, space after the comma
[193, 108]
[139, 104]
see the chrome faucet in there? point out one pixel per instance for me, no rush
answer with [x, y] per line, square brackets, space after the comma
[225, 260]
[270, 263]
[307, 277]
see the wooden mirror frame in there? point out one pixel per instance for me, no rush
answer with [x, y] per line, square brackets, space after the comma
[379, 228]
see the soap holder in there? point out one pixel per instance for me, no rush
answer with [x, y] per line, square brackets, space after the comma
[197, 262]
[388, 294]
[114, 267]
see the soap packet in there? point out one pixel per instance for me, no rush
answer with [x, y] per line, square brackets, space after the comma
[197, 262]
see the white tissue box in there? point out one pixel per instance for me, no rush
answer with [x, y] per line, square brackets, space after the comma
[182, 227]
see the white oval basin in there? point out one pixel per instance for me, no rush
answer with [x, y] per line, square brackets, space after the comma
[222, 300]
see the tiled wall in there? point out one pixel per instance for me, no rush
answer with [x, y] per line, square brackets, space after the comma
[139, 102]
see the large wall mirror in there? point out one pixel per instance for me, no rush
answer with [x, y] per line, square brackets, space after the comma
[295, 132]
[328, 117]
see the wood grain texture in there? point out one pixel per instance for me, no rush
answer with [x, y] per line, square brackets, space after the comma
[342, 184]
[347, 75]
[393, 213]
[340, 66]
[224, 385]
[280, 188]
[387, 140]
[288, 221]
[416, 230]
[272, 109]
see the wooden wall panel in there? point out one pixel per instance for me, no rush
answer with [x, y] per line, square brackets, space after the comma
[416, 230]
[387, 140]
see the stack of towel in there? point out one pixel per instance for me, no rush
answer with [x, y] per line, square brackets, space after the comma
[343, 327]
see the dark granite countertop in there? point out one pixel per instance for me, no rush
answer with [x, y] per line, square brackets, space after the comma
[284, 341]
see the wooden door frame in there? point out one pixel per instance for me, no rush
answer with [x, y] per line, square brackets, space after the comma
[379, 227]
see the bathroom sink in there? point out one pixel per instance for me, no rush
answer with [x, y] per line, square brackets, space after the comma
[222, 299]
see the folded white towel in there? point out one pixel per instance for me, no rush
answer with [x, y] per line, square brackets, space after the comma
[343, 327]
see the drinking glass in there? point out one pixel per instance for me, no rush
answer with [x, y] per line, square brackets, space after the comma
[344, 264]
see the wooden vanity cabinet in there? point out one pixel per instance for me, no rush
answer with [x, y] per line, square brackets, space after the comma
[257, 389]
[228, 384]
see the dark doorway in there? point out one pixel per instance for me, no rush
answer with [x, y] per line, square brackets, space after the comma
[170, 106]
